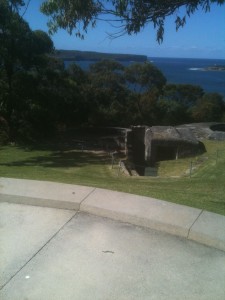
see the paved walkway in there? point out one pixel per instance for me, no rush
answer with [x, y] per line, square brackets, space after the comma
[191, 223]
[48, 253]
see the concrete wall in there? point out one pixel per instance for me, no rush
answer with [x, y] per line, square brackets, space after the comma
[143, 147]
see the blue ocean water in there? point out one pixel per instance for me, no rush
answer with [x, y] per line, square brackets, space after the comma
[184, 70]
[190, 71]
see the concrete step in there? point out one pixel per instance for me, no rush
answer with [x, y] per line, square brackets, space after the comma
[191, 223]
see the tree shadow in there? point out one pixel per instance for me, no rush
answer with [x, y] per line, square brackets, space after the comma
[61, 159]
[72, 149]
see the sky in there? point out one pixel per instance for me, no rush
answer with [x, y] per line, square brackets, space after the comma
[203, 36]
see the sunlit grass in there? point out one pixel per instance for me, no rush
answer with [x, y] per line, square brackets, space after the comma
[205, 188]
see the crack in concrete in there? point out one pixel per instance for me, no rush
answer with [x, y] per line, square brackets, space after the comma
[48, 241]
[86, 198]
[194, 223]
[36, 253]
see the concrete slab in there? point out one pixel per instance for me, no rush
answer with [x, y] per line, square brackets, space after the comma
[192, 223]
[23, 231]
[144, 211]
[43, 193]
[209, 229]
[96, 258]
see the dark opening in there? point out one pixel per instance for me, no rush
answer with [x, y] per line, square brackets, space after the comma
[165, 153]
[139, 158]
[218, 127]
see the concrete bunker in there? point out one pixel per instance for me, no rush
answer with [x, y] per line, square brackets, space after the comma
[148, 145]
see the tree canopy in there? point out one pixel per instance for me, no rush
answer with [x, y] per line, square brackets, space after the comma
[128, 16]
[145, 76]
[39, 96]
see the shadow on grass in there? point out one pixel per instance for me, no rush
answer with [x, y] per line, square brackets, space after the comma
[60, 159]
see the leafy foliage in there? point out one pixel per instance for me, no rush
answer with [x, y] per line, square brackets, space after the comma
[71, 14]
[210, 107]
[145, 76]
[132, 15]
[40, 98]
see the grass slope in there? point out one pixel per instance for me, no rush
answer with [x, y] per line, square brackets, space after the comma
[205, 189]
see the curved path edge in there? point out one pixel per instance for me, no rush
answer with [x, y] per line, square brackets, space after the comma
[191, 223]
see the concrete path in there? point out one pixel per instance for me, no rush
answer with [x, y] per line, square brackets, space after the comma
[194, 224]
[49, 253]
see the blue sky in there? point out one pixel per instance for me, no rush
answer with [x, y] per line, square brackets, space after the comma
[202, 37]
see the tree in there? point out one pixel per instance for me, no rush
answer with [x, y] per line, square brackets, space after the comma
[15, 36]
[144, 77]
[211, 107]
[146, 81]
[21, 50]
[131, 15]
[177, 101]
[108, 74]
[172, 112]
[42, 43]
[148, 107]
[107, 93]
[18, 43]
[185, 94]
[77, 74]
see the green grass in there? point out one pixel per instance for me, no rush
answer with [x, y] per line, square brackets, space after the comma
[205, 189]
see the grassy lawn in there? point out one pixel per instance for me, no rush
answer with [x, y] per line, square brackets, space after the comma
[204, 189]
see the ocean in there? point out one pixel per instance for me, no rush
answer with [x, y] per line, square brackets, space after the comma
[190, 71]
[184, 71]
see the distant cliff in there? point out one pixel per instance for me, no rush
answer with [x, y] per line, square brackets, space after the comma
[70, 55]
